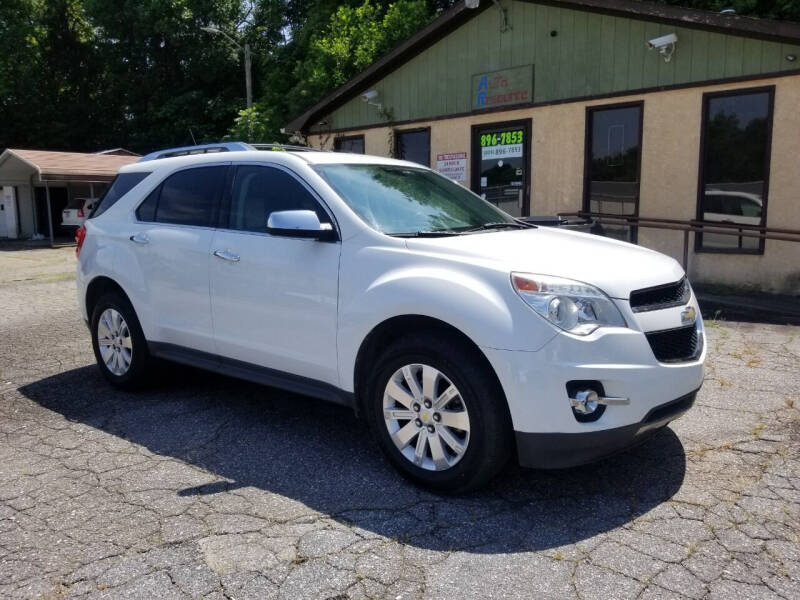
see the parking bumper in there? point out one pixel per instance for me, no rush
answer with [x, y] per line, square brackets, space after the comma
[562, 450]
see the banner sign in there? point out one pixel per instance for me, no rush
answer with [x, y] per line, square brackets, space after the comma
[452, 166]
[501, 88]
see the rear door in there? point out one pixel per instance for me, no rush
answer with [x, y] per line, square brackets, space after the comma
[172, 239]
[274, 298]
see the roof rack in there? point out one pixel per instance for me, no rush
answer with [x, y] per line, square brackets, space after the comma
[199, 149]
[220, 147]
[287, 147]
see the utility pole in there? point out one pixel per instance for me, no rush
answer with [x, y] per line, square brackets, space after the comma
[248, 60]
[248, 74]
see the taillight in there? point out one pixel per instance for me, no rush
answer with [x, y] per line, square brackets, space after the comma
[80, 235]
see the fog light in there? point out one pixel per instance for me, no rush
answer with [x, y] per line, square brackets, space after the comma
[585, 402]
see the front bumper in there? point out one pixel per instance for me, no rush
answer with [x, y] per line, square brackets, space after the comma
[621, 361]
[561, 450]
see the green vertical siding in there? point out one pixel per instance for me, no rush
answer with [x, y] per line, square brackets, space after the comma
[591, 54]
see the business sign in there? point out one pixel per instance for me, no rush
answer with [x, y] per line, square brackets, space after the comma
[453, 166]
[502, 88]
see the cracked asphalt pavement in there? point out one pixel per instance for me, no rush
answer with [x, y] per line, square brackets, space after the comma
[207, 487]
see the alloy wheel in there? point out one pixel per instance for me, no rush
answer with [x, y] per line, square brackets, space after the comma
[115, 342]
[426, 417]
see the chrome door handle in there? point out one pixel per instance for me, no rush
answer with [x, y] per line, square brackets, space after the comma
[140, 238]
[226, 255]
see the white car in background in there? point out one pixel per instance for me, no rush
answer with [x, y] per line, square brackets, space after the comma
[733, 207]
[463, 335]
[77, 211]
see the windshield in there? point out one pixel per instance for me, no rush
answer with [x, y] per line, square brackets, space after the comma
[406, 201]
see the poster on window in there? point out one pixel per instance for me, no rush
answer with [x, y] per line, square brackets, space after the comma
[452, 166]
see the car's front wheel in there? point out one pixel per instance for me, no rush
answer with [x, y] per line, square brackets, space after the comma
[439, 414]
[119, 344]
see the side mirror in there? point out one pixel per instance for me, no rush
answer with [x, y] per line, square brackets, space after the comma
[300, 223]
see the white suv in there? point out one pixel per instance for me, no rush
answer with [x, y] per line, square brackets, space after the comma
[461, 334]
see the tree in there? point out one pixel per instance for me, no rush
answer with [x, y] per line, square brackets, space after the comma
[353, 39]
[90, 74]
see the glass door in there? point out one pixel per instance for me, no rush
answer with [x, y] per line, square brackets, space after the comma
[501, 162]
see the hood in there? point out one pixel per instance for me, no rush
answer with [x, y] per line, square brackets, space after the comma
[615, 267]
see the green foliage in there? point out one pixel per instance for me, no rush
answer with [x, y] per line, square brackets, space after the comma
[92, 74]
[256, 124]
[352, 40]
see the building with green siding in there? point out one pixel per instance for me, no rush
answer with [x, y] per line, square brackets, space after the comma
[616, 107]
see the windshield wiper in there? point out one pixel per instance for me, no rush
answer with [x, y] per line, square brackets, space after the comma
[428, 234]
[500, 225]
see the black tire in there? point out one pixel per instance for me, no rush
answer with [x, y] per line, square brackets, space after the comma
[490, 436]
[141, 366]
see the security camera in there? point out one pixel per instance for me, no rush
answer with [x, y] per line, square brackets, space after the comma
[665, 45]
[663, 41]
[369, 96]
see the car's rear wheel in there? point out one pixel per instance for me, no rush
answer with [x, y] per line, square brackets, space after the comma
[439, 414]
[119, 344]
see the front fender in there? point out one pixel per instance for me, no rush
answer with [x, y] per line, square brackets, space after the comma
[480, 304]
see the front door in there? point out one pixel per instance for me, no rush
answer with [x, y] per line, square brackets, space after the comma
[273, 298]
[501, 163]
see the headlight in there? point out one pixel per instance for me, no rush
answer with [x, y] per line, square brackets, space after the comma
[573, 306]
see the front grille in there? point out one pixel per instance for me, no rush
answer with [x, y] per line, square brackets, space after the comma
[676, 345]
[661, 296]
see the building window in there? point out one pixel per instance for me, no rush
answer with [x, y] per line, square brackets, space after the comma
[353, 144]
[613, 157]
[413, 145]
[734, 166]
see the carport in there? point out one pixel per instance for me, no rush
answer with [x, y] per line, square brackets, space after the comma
[38, 184]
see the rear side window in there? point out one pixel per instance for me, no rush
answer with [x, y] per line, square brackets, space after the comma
[186, 198]
[122, 184]
[147, 209]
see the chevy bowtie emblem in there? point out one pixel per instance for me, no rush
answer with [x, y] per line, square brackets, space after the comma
[688, 315]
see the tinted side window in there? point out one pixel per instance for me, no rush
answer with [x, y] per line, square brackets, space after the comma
[122, 184]
[189, 197]
[147, 209]
[260, 191]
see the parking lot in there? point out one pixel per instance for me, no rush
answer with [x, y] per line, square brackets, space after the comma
[207, 487]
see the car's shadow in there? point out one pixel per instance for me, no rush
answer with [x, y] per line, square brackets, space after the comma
[322, 456]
